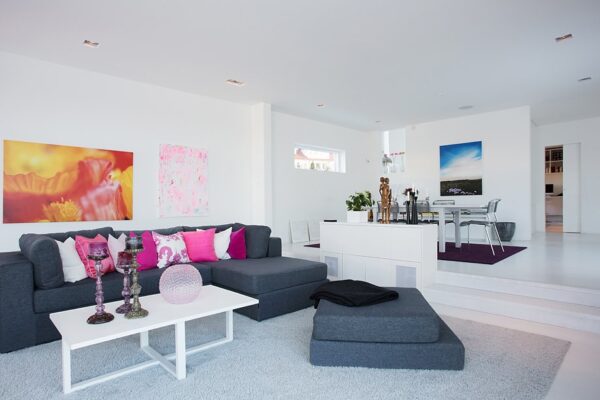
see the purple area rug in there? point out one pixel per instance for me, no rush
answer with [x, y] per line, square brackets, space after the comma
[315, 245]
[477, 253]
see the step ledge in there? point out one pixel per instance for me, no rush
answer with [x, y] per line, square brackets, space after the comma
[559, 293]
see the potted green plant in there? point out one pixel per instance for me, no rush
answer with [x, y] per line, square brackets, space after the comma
[358, 205]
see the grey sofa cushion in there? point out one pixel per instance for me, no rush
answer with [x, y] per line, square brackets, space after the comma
[43, 253]
[446, 353]
[219, 228]
[257, 239]
[81, 293]
[162, 231]
[408, 319]
[257, 276]
[274, 247]
[88, 233]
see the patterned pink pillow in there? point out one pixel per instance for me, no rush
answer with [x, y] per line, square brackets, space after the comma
[201, 245]
[147, 258]
[82, 245]
[170, 249]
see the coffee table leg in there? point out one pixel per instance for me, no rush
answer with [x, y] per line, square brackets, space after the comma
[180, 362]
[229, 325]
[144, 340]
[66, 361]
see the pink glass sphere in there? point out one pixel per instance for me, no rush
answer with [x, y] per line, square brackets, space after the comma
[180, 284]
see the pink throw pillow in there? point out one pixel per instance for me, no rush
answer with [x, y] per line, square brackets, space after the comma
[237, 244]
[147, 258]
[170, 249]
[201, 245]
[82, 245]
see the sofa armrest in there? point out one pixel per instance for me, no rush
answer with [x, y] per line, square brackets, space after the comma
[274, 247]
[17, 320]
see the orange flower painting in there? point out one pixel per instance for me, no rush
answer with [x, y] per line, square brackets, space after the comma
[53, 183]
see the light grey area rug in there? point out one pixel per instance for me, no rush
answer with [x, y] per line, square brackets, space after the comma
[269, 360]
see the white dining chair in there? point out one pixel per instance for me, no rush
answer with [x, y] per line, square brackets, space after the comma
[488, 223]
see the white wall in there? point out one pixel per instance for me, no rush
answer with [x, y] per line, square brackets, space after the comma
[506, 138]
[307, 194]
[586, 132]
[49, 103]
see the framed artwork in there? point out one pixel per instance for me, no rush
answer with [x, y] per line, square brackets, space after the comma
[461, 169]
[54, 183]
[183, 181]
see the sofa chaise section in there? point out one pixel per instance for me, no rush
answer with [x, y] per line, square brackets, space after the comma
[281, 284]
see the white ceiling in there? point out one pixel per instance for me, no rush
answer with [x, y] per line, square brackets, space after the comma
[398, 61]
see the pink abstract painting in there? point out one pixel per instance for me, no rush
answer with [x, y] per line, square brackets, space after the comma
[183, 181]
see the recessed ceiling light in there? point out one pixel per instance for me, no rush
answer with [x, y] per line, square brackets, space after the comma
[467, 107]
[235, 82]
[378, 122]
[91, 44]
[563, 37]
[320, 105]
[587, 78]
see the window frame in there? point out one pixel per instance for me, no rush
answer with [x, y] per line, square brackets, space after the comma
[340, 161]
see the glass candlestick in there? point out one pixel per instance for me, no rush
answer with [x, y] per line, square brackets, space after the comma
[133, 245]
[124, 263]
[97, 253]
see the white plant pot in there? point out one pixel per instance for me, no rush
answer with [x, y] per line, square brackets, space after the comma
[357, 216]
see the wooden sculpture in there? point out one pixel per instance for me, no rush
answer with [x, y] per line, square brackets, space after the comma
[386, 199]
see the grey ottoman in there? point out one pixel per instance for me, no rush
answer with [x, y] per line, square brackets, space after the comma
[405, 333]
[408, 319]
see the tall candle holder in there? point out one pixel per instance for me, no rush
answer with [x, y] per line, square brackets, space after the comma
[133, 245]
[124, 263]
[98, 251]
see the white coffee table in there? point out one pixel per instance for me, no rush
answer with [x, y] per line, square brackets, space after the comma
[76, 333]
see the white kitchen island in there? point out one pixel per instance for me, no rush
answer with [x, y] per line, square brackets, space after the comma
[396, 255]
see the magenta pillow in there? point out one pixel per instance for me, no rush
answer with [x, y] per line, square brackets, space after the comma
[237, 244]
[82, 245]
[201, 245]
[147, 258]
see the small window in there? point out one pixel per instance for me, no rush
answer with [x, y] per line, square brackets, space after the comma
[319, 159]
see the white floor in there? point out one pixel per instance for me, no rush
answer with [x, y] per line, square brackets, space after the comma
[555, 258]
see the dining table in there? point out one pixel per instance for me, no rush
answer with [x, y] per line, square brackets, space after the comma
[455, 210]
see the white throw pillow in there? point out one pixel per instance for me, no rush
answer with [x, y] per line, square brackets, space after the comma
[115, 246]
[222, 243]
[73, 268]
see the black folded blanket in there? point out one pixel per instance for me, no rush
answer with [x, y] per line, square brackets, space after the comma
[352, 293]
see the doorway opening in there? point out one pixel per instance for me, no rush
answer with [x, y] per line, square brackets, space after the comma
[554, 169]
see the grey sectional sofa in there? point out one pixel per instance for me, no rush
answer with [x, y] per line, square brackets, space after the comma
[32, 283]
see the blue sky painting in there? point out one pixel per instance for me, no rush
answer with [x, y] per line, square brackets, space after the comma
[461, 169]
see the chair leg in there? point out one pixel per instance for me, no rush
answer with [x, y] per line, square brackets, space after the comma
[498, 236]
[489, 240]
[468, 234]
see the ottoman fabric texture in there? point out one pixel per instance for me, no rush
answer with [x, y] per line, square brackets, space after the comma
[403, 333]
[408, 319]
[447, 353]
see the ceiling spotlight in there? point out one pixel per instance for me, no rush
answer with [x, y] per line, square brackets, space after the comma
[378, 122]
[563, 37]
[91, 44]
[321, 105]
[467, 107]
[587, 78]
[235, 82]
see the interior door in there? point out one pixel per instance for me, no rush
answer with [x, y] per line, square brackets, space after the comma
[571, 187]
